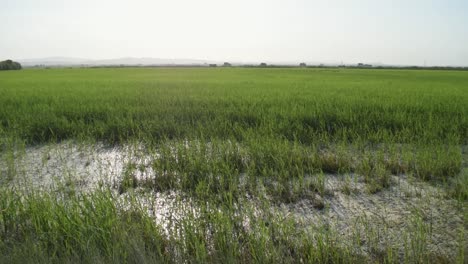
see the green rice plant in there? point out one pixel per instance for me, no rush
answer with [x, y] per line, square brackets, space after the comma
[85, 228]
[459, 186]
[129, 180]
[416, 244]
[236, 141]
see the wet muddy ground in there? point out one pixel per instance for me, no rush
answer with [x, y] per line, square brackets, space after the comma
[366, 222]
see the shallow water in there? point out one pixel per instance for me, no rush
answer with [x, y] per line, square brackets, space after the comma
[85, 165]
[384, 218]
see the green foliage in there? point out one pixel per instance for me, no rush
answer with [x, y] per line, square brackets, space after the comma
[290, 121]
[87, 228]
[303, 105]
[459, 187]
[9, 65]
[222, 134]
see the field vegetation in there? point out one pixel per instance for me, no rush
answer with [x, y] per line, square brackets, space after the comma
[239, 144]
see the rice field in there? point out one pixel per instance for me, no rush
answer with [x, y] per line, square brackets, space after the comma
[251, 165]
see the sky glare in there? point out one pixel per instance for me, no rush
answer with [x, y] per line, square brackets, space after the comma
[371, 31]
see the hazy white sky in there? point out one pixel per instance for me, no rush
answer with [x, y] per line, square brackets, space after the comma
[392, 32]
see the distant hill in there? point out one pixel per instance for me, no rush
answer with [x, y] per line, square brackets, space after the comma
[52, 61]
[147, 61]
[66, 61]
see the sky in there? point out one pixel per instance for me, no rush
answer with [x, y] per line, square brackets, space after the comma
[401, 32]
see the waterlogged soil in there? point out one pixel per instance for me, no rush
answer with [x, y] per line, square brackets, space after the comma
[85, 166]
[409, 216]
[370, 223]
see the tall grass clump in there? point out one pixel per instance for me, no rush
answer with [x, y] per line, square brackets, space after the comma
[48, 227]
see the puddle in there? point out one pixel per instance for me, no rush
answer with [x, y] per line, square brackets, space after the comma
[85, 166]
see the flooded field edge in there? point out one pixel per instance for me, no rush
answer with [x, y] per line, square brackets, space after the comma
[408, 215]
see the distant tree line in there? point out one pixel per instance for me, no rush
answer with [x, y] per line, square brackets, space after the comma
[9, 65]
